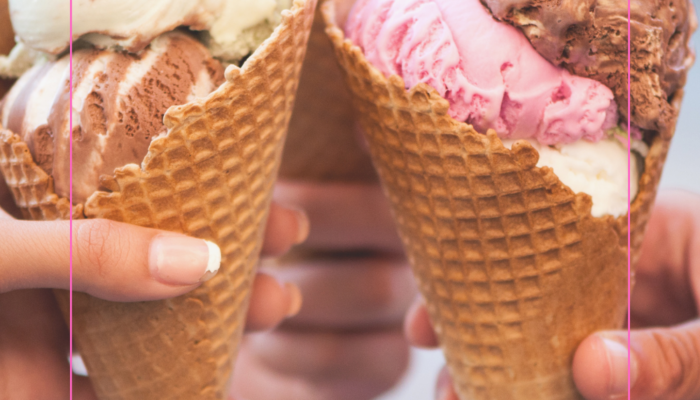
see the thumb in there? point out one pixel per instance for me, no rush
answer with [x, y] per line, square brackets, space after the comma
[665, 364]
[111, 260]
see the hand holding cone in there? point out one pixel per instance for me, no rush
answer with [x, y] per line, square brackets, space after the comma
[211, 177]
[514, 269]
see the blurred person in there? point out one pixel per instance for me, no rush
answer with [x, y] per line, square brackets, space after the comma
[346, 343]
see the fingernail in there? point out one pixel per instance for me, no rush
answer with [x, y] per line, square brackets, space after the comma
[302, 226]
[445, 393]
[182, 260]
[295, 298]
[617, 361]
[444, 386]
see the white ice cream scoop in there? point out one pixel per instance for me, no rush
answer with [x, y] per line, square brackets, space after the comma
[598, 169]
[132, 24]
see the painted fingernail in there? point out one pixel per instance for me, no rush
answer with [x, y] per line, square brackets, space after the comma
[182, 260]
[302, 226]
[617, 361]
[295, 299]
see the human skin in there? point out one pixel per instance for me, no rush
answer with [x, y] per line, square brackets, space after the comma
[346, 343]
[111, 261]
[665, 338]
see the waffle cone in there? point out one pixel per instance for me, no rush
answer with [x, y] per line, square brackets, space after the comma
[210, 177]
[514, 269]
[323, 143]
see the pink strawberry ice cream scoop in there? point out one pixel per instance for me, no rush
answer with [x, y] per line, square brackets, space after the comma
[487, 70]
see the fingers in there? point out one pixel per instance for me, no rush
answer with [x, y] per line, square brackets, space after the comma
[600, 367]
[111, 260]
[417, 327]
[286, 227]
[350, 292]
[361, 211]
[445, 388]
[346, 341]
[271, 302]
[665, 364]
[669, 265]
[121, 262]
[33, 347]
[331, 355]
[318, 366]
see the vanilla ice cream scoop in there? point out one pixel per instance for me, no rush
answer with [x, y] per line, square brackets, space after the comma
[132, 24]
[598, 169]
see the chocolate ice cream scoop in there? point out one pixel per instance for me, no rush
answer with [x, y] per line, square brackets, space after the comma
[589, 37]
[119, 100]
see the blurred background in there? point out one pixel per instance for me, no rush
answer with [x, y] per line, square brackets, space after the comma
[682, 171]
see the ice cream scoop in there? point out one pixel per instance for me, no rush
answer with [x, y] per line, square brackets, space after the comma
[589, 38]
[487, 70]
[494, 79]
[597, 169]
[119, 100]
[132, 24]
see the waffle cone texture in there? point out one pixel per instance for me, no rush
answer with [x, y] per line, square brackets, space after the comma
[210, 177]
[514, 269]
[323, 144]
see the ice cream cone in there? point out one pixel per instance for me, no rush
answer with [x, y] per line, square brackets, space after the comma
[210, 177]
[323, 143]
[515, 270]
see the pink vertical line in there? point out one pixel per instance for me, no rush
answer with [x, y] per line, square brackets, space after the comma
[629, 197]
[70, 197]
